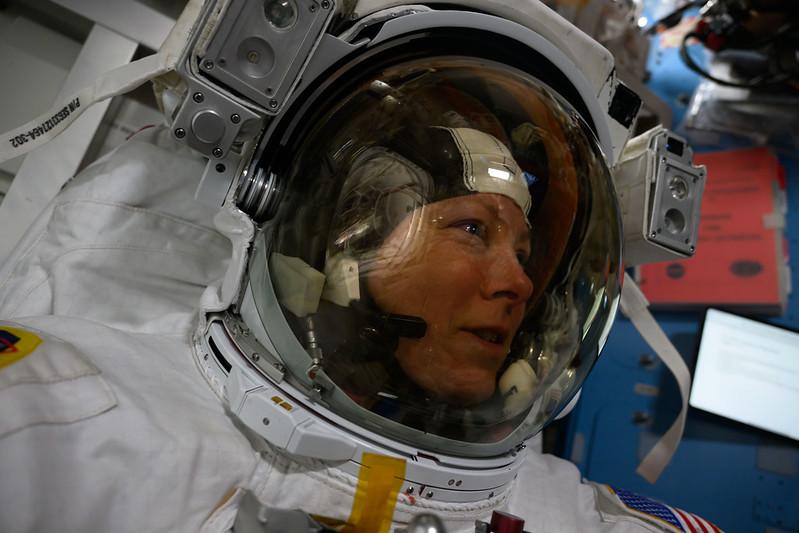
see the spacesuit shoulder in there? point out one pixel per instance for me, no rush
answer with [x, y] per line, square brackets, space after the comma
[46, 380]
[619, 505]
[551, 493]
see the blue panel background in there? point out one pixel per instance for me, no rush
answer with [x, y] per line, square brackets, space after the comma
[716, 471]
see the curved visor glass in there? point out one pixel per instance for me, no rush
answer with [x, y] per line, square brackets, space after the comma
[446, 253]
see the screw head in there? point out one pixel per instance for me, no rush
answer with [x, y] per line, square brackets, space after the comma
[265, 421]
[235, 118]
[325, 4]
[198, 97]
[653, 235]
[217, 152]
[693, 249]
[208, 64]
[273, 103]
[255, 357]
[180, 133]
[430, 494]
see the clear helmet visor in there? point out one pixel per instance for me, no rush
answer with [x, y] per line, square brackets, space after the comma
[457, 221]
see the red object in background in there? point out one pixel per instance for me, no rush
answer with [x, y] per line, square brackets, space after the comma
[739, 258]
[506, 523]
[710, 39]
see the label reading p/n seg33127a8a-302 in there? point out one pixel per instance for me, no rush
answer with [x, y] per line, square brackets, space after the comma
[47, 125]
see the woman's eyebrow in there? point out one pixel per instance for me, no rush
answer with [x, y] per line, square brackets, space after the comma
[456, 208]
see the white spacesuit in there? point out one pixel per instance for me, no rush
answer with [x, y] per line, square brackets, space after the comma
[415, 275]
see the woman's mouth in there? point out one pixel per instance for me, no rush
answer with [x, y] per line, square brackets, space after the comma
[489, 335]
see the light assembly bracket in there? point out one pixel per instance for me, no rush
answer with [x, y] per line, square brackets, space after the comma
[660, 194]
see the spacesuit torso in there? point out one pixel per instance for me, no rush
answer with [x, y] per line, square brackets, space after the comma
[109, 423]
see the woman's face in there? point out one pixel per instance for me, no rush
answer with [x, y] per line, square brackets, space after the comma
[461, 270]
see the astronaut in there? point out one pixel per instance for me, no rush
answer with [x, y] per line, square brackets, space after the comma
[414, 275]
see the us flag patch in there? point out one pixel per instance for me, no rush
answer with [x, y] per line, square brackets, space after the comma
[16, 343]
[670, 518]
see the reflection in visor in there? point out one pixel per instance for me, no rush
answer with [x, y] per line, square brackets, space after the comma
[462, 220]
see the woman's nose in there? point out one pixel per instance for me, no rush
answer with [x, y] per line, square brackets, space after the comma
[506, 278]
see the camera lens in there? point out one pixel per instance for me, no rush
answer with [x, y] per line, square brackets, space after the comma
[281, 14]
[678, 188]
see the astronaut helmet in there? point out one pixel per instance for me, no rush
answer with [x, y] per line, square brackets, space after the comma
[442, 260]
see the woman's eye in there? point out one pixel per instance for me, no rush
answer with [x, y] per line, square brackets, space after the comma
[473, 228]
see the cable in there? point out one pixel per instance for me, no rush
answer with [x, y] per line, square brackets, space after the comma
[752, 83]
[673, 18]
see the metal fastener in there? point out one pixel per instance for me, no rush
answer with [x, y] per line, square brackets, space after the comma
[180, 133]
[273, 103]
[255, 357]
[430, 494]
[220, 167]
[451, 482]
[217, 152]
[279, 367]
[198, 97]
[235, 118]
[325, 4]
[208, 64]
[458, 483]
[265, 421]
